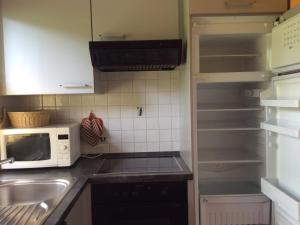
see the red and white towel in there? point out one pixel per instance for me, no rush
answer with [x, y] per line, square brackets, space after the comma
[91, 129]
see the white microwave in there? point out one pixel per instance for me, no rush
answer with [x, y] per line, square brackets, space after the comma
[50, 146]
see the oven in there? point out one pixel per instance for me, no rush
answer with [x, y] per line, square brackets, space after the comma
[153, 203]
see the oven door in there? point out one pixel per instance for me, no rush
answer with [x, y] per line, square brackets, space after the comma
[141, 214]
[31, 148]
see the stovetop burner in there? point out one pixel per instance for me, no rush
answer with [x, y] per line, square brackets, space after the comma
[140, 165]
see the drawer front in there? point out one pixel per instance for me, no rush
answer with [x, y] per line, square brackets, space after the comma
[223, 210]
[237, 6]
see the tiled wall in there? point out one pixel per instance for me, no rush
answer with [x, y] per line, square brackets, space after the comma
[118, 96]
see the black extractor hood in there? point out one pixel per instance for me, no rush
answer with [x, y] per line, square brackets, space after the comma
[109, 56]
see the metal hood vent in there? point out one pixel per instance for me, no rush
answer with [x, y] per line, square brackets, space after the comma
[110, 56]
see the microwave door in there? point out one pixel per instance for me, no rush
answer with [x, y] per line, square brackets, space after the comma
[30, 150]
[34, 147]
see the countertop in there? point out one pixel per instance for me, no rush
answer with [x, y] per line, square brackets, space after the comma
[86, 171]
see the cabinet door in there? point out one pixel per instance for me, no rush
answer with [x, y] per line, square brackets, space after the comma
[136, 19]
[81, 213]
[237, 6]
[46, 47]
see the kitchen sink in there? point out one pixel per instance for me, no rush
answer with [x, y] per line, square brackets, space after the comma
[30, 191]
[29, 202]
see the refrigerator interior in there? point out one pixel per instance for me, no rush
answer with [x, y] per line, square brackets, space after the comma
[224, 53]
[231, 153]
[282, 181]
[232, 69]
[231, 145]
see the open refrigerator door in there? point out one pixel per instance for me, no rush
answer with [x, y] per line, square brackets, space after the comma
[282, 108]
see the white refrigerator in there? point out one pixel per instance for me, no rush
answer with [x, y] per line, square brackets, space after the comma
[246, 119]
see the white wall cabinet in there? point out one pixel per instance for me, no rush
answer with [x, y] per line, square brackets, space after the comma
[136, 19]
[46, 47]
[199, 7]
[81, 213]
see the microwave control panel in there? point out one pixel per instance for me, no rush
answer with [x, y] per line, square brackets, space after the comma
[68, 142]
[63, 153]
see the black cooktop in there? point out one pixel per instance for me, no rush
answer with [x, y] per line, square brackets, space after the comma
[140, 165]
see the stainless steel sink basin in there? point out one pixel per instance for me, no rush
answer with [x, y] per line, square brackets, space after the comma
[29, 202]
[30, 191]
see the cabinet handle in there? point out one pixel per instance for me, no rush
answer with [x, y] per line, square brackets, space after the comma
[112, 37]
[74, 86]
[239, 3]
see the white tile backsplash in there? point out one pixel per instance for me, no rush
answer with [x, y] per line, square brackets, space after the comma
[128, 147]
[127, 136]
[164, 85]
[114, 111]
[75, 100]
[116, 102]
[165, 123]
[140, 147]
[114, 86]
[165, 135]
[151, 86]
[139, 124]
[114, 99]
[128, 111]
[152, 98]
[165, 110]
[127, 99]
[152, 123]
[152, 135]
[101, 99]
[88, 100]
[49, 100]
[152, 146]
[164, 98]
[152, 111]
[139, 86]
[165, 146]
[164, 75]
[62, 100]
[140, 136]
[114, 124]
[127, 124]
[115, 148]
[115, 137]
[127, 86]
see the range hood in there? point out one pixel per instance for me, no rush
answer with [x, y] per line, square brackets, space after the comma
[109, 56]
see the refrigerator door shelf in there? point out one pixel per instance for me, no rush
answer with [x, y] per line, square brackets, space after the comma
[284, 103]
[287, 128]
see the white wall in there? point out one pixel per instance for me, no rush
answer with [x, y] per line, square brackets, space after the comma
[158, 129]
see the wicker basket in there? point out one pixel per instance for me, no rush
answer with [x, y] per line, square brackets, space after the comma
[29, 119]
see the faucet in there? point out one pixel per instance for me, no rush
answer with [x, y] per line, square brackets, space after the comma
[8, 160]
